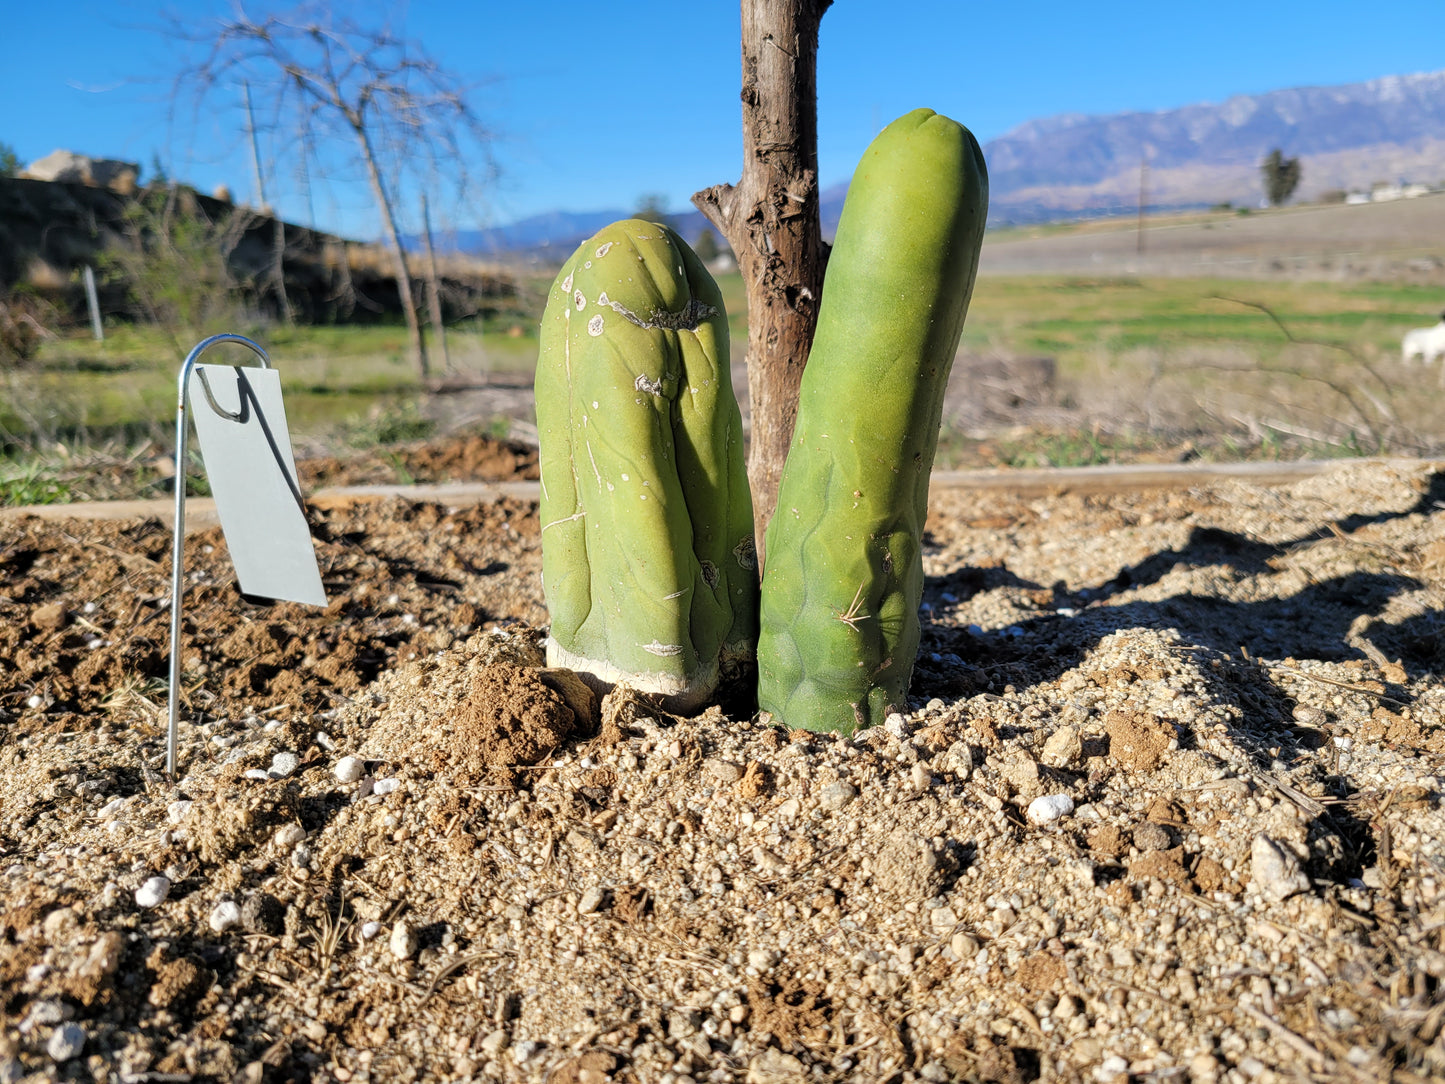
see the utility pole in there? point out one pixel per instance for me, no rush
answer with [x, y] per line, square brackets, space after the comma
[1143, 198]
[278, 249]
[434, 289]
[255, 149]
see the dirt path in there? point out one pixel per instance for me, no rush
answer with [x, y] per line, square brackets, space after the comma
[1128, 477]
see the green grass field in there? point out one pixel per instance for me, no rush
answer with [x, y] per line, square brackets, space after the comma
[78, 388]
[1074, 318]
[1185, 348]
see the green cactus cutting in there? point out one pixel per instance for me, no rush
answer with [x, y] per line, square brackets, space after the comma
[844, 574]
[648, 560]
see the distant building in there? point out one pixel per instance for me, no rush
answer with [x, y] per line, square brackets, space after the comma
[1387, 192]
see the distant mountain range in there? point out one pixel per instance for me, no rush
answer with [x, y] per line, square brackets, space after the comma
[563, 231]
[1071, 165]
[1346, 137]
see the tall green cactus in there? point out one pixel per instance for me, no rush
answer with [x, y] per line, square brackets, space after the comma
[844, 573]
[648, 560]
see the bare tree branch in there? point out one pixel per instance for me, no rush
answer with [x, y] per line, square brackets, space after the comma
[330, 84]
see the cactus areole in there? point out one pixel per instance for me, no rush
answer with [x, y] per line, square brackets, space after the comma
[844, 574]
[648, 560]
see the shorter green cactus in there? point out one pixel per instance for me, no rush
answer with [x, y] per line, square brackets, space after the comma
[647, 547]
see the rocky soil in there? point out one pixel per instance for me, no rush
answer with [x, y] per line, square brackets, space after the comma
[1167, 805]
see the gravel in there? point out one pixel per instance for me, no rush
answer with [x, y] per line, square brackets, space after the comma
[1237, 689]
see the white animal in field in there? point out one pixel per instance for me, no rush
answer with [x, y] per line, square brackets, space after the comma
[1427, 344]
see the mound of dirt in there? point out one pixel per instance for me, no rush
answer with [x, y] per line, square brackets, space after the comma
[1166, 804]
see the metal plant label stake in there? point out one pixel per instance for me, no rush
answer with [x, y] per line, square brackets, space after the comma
[241, 423]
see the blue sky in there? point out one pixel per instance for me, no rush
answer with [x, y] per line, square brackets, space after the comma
[595, 105]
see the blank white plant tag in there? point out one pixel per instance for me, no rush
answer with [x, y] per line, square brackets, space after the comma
[247, 452]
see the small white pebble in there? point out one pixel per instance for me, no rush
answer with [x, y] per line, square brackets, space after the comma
[1049, 807]
[369, 930]
[1275, 870]
[403, 941]
[762, 960]
[257, 773]
[1111, 1068]
[920, 777]
[350, 769]
[115, 805]
[153, 892]
[283, 764]
[323, 739]
[66, 1042]
[225, 915]
[591, 900]
[495, 1042]
[34, 701]
[386, 786]
[177, 810]
[288, 835]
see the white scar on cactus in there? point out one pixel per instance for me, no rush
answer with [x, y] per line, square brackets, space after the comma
[687, 318]
[677, 693]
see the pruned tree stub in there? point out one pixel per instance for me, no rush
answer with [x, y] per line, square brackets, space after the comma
[771, 220]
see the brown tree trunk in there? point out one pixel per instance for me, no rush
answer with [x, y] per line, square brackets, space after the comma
[403, 274]
[770, 218]
[278, 272]
[434, 289]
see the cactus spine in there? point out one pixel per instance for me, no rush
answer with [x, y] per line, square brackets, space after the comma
[647, 541]
[844, 574]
